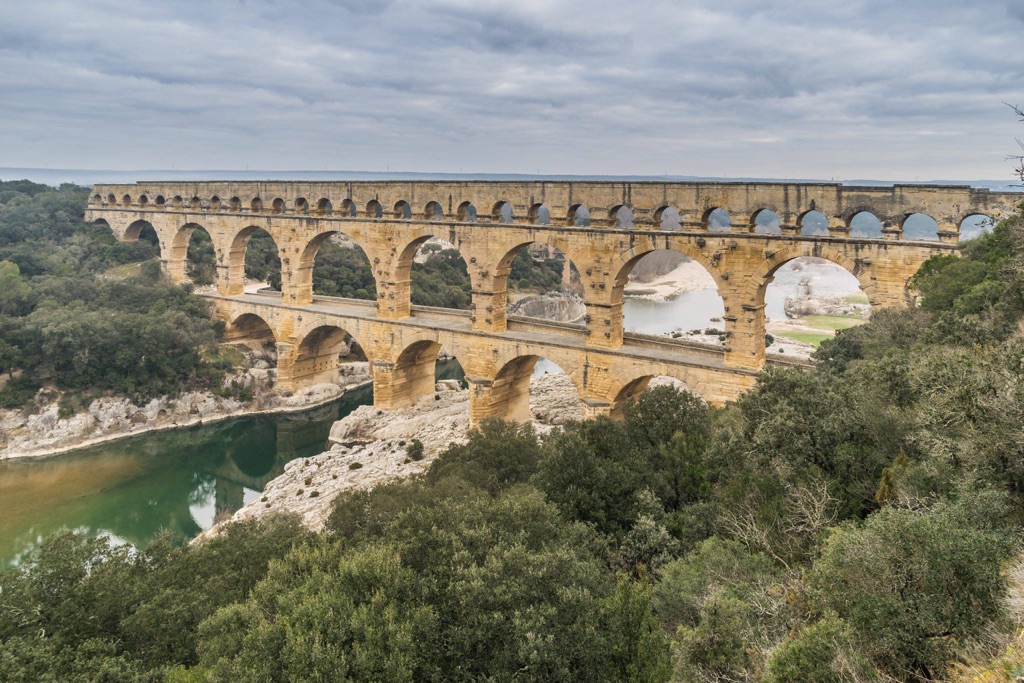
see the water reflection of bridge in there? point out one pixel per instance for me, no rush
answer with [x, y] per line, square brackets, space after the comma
[247, 465]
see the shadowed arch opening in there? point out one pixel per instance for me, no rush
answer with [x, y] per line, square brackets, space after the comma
[146, 245]
[579, 216]
[277, 206]
[814, 223]
[433, 212]
[320, 354]
[668, 218]
[523, 388]
[160, 201]
[141, 230]
[301, 206]
[143, 200]
[324, 207]
[865, 224]
[195, 203]
[717, 220]
[975, 225]
[348, 208]
[622, 217]
[200, 254]
[235, 204]
[253, 331]
[403, 211]
[126, 200]
[540, 214]
[177, 202]
[112, 199]
[416, 374]
[502, 212]
[807, 300]
[338, 266]
[920, 226]
[467, 213]
[667, 293]
[215, 203]
[439, 276]
[256, 205]
[766, 222]
[374, 209]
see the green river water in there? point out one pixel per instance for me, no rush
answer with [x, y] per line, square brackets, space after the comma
[131, 489]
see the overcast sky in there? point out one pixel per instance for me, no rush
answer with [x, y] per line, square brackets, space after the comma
[882, 89]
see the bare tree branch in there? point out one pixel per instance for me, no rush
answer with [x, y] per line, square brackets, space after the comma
[1018, 158]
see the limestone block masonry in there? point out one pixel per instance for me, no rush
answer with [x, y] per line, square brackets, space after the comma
[490, 223]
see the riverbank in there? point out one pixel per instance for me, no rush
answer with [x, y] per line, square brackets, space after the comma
[688, 276]
[370, 447]
[108, 419]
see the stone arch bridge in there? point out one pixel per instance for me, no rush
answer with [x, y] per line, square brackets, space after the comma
[603, 228]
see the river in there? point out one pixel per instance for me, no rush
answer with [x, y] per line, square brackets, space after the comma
[131, 489]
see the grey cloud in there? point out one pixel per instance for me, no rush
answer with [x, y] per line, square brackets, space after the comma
[866, 88]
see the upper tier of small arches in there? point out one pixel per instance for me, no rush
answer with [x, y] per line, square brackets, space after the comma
[858, 222]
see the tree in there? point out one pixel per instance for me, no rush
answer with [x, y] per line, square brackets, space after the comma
[14, 290]
[915, 585]
[1017, 157]
[498, 455]
[823, 652]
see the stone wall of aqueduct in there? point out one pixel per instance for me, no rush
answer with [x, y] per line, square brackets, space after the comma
[490, 223]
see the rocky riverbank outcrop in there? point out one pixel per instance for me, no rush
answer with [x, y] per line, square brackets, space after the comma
[46, 431]
[566, 307]
[370, 446]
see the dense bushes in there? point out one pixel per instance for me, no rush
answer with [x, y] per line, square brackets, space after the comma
[61, 323]
[441, 280]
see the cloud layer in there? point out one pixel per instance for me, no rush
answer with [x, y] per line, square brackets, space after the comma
[863, 88]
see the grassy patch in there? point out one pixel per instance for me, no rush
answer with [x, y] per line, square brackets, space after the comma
[857, 298]
[814, 338]
[125, 271]
[831, 322]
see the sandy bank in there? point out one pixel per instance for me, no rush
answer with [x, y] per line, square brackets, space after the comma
[686, 277]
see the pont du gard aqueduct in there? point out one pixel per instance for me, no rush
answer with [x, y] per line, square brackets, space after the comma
[489, 223]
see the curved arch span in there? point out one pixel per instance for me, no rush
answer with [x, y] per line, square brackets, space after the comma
[627, 261]
[318, 355]
[632, 389]
[509, 395]
[249, 328]
[266, 266]
[348, 275]
[761, 277]
[412, 376]
[202, 267]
